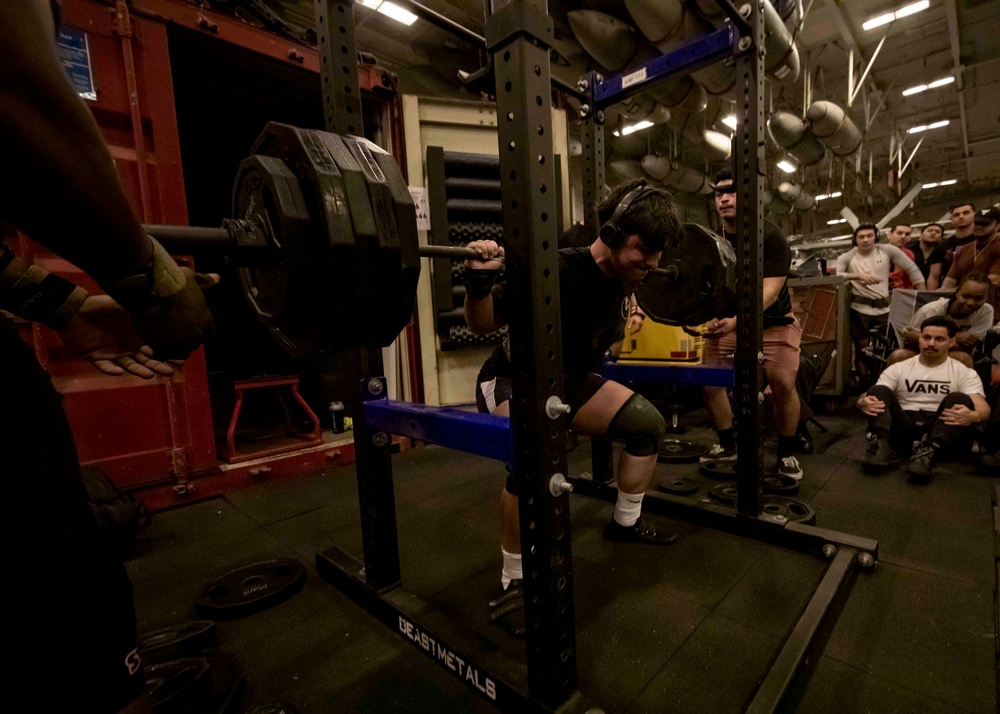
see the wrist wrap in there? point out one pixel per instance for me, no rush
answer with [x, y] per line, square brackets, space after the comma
[478, 282]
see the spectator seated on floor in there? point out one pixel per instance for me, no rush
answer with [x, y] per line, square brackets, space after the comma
[970, 310]
[924, 405]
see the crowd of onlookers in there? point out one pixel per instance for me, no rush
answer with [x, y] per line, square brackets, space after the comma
[927, 391]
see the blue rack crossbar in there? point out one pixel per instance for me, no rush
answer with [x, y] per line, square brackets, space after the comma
[702, 52]
[637, 373]
[471, 432]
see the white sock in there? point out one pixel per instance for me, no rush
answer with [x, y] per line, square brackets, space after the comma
[511, 568]
[628, 508]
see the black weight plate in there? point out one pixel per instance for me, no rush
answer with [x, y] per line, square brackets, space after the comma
[781, 485]
[251, 589]
[791, 508]
[675, 451]
[173, 642]
[703, 280]
[275, 709]
[719, 469]
[228, 686]
[179, 685]
[678, 486]
[724, 492]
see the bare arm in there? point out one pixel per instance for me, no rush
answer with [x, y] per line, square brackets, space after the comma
[949, 283]
[934, 276]
[771, 289]
[49, 138]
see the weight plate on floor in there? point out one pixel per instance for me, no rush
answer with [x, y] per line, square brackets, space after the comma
[674, 451]
[228, 686]
[677, 486]
[724, 492]
[179, 685]
[781, 485]
[719, 469]
[251, 589]
[174, 642]
[791, 508]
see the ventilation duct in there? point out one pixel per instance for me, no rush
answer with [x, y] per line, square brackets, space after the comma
[657, 20]
[688, 180]
[793, 193]
[611, 42]
[831, 125]
[781, 59]
[682, 95]
[791, 134]
[656, 166]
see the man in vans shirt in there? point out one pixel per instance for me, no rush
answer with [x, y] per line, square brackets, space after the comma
[929, 255]
[928, 398]
[968, 307]
[866, 266]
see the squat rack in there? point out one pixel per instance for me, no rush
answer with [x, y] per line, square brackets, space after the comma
[518, 36]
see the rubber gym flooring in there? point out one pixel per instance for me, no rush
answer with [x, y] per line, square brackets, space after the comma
[686, 628]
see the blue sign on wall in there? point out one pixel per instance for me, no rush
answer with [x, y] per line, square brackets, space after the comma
[75, 55]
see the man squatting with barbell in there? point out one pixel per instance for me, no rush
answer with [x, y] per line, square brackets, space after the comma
[71, 634]
[595, 288]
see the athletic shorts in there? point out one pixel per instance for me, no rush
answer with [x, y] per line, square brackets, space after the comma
[493, 388]
[862, 324]
[781, 348]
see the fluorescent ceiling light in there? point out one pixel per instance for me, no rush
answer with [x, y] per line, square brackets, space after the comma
[729, 121]
[787, 166]
[902, 12]
[824, 196]
[925, 127]
[397, 13]
[373, 4]
[835, 221]
[936, 184]
[879, 21]
[912, 8]
[632, 128]
[924, 87]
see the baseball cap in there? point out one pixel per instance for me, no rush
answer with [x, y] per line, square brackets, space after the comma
[986, 216]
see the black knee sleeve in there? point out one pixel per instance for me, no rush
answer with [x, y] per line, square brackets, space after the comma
[640, 425]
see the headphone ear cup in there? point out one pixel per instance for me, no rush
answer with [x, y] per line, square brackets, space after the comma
[610, 235]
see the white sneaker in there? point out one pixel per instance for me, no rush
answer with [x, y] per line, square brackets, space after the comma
[718, 455]
[789, 466]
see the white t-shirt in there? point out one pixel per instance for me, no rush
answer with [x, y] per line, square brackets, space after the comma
[977, 323]
[879, 262]
[919, 387]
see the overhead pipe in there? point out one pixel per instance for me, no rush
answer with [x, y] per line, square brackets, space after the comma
[834, 127]
[791, 134]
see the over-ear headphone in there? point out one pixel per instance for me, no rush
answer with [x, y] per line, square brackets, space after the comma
[611, 234]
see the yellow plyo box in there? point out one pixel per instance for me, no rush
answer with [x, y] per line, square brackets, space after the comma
[662, 343]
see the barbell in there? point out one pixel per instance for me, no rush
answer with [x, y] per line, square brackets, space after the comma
[324, 237]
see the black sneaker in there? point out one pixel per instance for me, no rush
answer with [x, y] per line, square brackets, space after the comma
[718, 455]
[879, 455]
[642, 531]
[922, 465]
[789, 468]
[507, 609]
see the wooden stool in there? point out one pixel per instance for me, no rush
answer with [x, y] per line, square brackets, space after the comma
[313, 438]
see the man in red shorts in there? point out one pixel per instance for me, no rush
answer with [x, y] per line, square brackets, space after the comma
[782, 335]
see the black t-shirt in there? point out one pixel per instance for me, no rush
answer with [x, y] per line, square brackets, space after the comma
[937, 256]
[594, 307]
[777, 261]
